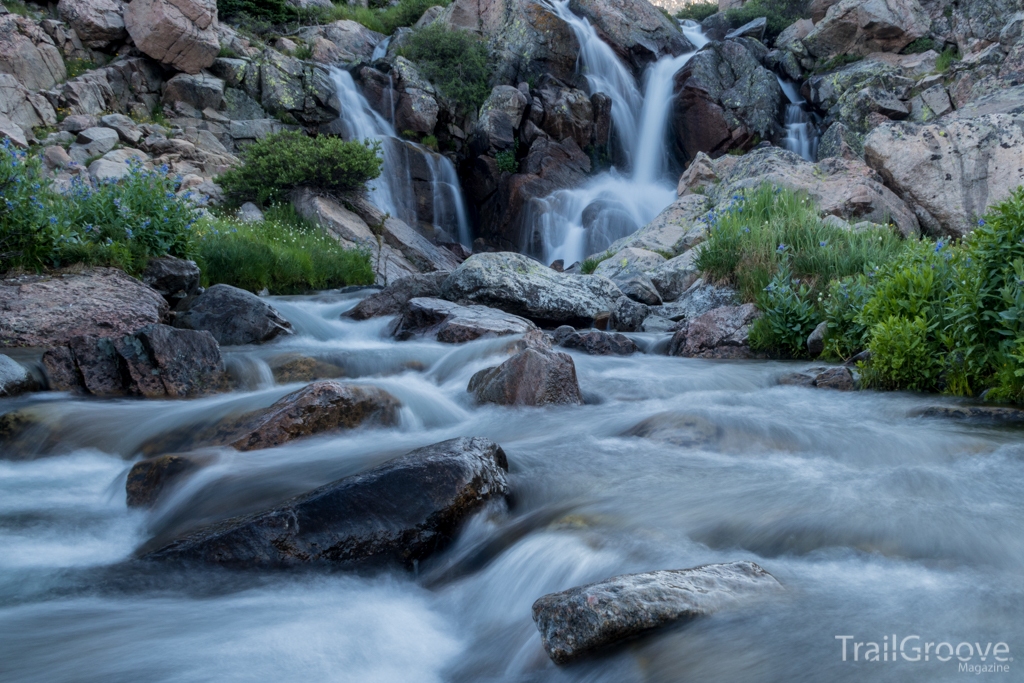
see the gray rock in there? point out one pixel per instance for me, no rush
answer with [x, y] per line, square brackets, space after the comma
[673, 277]
[454, 324]
[840, 141]
[392, 299]
[639, 288]
[751, 29]
[816, 340]
[28, 110]
[397, 513]
[580, 620]
[201, 90]
[596, 342]
[628, 315]
[127, 130]
[532, 377]
[930, 104]
[28, 54]
[636, 29]
[179, 33]
[697, 300]
[9, 130]
[657, 324]
[519, 285]
[14, 377]
[250, 213]
[719, 333]
[93, 142]
[97, 23]
[859, 27]
[674, 230]
[973, 413]
[234, 316]
[840, 378]
[629, 262]
[174, 278]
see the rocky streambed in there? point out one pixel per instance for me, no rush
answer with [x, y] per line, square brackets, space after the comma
[351, 512]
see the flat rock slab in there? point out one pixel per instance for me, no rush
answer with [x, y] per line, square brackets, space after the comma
[50, 310]
[454, 323]
[397, 513]
[580, 620]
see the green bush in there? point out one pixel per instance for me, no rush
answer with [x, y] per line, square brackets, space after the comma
[779, 13]
[273, 11]
[454, 61]
[284, 254]
[789, 316]
[901, 355]
[120, 224]
[918, 46]
[507, 162]
[697, 11]
[283, 161]
[384, 19]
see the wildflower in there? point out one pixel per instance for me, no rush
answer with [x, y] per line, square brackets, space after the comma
[823, 243]
[981, 222]
[53, 220]
[782, 248]
[938, 246]
[746, 229]
[128, 233]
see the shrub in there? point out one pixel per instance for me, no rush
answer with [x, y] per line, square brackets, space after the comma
[454, 61]
[284, 254]
[901, 356]
[281, 162]
[383, 19]
[789, 316]
[779, 13]
[918, 46]
[120, 224]
[946, 59]
[507, 162]
[697, 11]
[273, 11]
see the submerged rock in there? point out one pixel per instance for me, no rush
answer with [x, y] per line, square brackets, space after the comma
[840, 378]
[233, 316]
[983, 414]
[295, 368]
[392, 299]
[149, 478]
[397, 513]
[453, 323]
[595, 342]
[580, 620]
[678, 429]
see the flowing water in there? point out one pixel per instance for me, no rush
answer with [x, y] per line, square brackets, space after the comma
[876, 522]
[801, 128]
[571, 224]
[406, 164]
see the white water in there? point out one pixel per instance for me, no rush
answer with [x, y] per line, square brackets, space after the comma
[393, 192]
[801, 132]
[573, 223]
[876, 523]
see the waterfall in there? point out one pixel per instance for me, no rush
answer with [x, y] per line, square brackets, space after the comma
[395, 190]
[801, 130]
[570, 224]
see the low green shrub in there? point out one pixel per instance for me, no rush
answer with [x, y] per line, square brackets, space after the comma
[454, 61]
[121, 224]
[697, 11]
[789, 316]
[918, 46]
[948, 57]
[590, 265]
[507, 162]
[285, 254]
[283, 161]
[779, 13]
[272, 11]
[383, 18]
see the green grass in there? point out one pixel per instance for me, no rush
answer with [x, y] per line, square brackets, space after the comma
[948, 57]
[698, 11]
[285, 254]
[590, 265]
[77, 67]
[779, 13]
[383, 19]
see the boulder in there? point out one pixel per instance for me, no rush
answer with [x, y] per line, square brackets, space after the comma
[397, 513]
[676, 229]
[860, 27]
[595, 342]
[981, 22]
[27, 110]
[48, 310]
[637, 30]
[416, 106]
[9, 130]
[565, 113]
[250, 213]
[930, 104]
[639, 288]
[97, 23]
[93, 142]
[580, 620]
[839, 141]
[200, 90]
[951, 171]
[500, 116]
[126, 85]
[392, 299]
[179, 33]
[627, 263]
[719, 333]
[700, 298]
[14, 377]
[290, 368]
[28, 54]
[816, 340]
[673, 277]
[519, 285]
[174, 278]
[998, 415]
[854, 93]
[725, 100]
[628, 315]
[752, 29]
[454, 324]
[536, 376]
[149, 478]
[840, 378]
[127, 130]
[233, 316]
[341, 41]
[679, 429]
[291, 89]
[846, 188]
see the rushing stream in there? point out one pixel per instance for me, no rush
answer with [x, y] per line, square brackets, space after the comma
[876, 522]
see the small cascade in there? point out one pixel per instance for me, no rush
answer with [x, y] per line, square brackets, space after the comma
[381, 49]
[395, 191]
[571, 224]
[801, 128]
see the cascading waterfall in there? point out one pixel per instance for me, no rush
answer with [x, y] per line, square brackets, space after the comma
[570, 224]
[395, 190]
[801, 131]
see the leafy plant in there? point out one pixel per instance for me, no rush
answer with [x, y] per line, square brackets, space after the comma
[948, 57]
[506, 158]
[385, 17]
[918, 46]
[779, 13]
[454, 61]
[590, 265]
[901, 356]
[697, 11]
[278, 163]
[789, 316]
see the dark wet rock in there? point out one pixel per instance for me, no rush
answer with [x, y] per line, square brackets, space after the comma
[174, 278]
[859, 27]
[149, 478]
[595, 342]
[816, 340]
[26, 433]
[295, 368]
[636, 30]
[981, 414]
[14, 377]
[233, 316]
[678, 429]
[519, 285]
[639, 288]
[392, 299]
[580, 620]
[535, 376]
[628, 315]
[48, 310]
[396, 514]
[454, 324]
[719, 333]
[840, 378]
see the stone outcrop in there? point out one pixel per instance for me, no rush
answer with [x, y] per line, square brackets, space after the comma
[25, 109]
[174, 278]
[519, 285]
[584, 619]
[29, 54]
[536, 376]
[392, 299]
[719, 333]
[179, 33]
[340, 41]
[860, 27]
[454, 324]
[840, 378]
[395, 514]
[97, 23]
[14, 377]
[675, 230]
[233, 316]
[48, 310]
[148, 479]
[595, 342]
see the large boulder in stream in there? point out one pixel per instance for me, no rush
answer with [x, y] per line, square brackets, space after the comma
[395, 514]
[595, 342]
[454, 324]
[580, 620]
[719, 333]
[535, 376]
[233, 316]
[48, 310]
[519, 285]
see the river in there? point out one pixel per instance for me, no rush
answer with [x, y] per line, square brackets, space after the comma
[876, 522]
